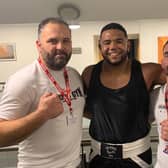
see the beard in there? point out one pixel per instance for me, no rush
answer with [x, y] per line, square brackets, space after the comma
[117, 62]
[56, 59]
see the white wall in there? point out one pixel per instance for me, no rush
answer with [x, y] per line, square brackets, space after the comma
[24, 36]
[148, 31]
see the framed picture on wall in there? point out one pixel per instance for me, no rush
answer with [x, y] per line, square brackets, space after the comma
[161, 42]
[7, 51]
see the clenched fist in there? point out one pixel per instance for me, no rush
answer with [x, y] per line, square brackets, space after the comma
[50, 105]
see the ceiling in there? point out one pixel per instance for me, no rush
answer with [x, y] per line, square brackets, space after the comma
[32, 11]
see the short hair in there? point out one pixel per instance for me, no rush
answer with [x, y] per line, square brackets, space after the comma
[51, 20]
[166, 43]
[114, 26]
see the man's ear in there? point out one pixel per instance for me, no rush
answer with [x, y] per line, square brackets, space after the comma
[38, 45]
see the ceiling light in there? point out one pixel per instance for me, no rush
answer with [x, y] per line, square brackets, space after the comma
[74, 26]
[70, 14]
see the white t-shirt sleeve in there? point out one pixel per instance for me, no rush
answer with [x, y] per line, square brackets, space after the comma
[15, 101]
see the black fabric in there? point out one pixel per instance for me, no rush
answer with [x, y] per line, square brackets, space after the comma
[118, 115]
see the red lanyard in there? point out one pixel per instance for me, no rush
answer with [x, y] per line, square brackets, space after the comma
[64, 92]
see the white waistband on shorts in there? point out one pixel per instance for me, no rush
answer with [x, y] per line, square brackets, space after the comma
[129, 150]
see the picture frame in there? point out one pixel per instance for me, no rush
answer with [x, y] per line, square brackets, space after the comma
[7, 51]
[161, 42]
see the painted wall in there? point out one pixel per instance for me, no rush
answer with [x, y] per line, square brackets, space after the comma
[24, 36]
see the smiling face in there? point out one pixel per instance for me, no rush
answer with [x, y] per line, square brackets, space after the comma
[114, 46]
[54, 45]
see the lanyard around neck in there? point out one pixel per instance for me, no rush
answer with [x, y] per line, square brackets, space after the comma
[64, 92]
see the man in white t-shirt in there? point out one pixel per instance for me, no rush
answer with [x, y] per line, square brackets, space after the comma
[160, 111]
[42, 104]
